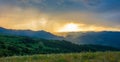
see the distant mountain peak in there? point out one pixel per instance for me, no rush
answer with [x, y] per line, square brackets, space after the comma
[2, 28]
[36, 34]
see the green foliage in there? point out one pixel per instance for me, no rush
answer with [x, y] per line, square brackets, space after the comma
[71, 57]
[18, 45]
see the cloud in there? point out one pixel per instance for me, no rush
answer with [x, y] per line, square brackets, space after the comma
[92, 2]
[44, 14]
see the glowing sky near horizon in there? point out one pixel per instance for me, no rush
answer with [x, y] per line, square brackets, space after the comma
[57, 15]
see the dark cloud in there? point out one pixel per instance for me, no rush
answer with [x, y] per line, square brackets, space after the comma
[92, 2]
[94, 5]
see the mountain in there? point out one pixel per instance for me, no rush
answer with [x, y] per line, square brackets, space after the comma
[29, 33]
[19, 45]
[107, 38]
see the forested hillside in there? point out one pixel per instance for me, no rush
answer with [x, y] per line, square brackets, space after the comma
[18, 45]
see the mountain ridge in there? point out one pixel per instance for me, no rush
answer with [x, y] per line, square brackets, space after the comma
[30, 33]
[20, 45]
[107, 38]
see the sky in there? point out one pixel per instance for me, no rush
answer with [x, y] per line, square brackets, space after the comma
[55, 15]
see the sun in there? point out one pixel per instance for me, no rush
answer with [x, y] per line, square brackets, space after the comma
[71, 27]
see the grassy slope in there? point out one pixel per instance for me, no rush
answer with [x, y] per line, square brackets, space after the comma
[75, 57]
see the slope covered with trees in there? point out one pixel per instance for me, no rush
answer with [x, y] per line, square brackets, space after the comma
[18, 45]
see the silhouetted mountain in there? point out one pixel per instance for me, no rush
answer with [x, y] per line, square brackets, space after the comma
[29, 33]
[107, 38]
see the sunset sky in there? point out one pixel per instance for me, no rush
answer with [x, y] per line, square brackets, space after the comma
[61, 15]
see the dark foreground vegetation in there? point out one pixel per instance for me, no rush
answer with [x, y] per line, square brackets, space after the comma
[18, 45]
[71, 57]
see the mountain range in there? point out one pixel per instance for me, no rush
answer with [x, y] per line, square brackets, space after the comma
[107, 38]
[29, 33]
[20, 45]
